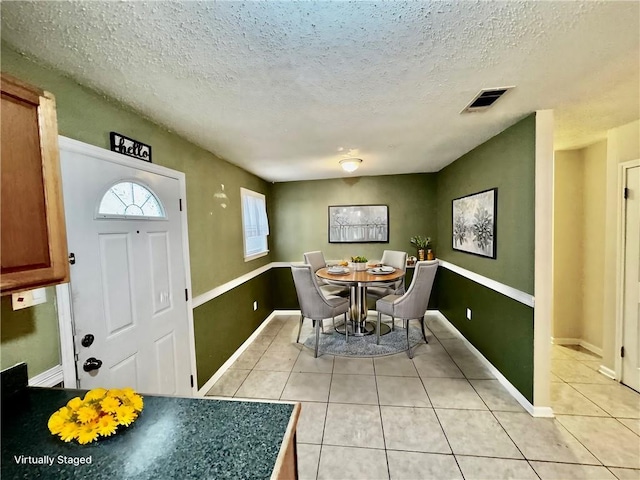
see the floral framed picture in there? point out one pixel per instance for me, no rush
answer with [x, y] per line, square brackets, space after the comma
[358, 224]
[474, 223]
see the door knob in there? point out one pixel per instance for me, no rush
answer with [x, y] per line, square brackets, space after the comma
[92, 364]
[87, 340]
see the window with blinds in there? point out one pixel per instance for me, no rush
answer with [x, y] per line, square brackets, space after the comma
[255, 224]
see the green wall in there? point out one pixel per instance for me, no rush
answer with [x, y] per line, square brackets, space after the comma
[30, 335]
[506, 161]
[224, 323]
[301, 210]
[215, 233]
[501, 328]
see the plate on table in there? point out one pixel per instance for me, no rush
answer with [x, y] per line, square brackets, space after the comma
[338, 270]
[381, 270]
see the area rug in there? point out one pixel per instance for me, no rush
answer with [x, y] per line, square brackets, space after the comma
[333, 343]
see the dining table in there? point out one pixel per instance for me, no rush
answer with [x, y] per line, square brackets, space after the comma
[358, 281]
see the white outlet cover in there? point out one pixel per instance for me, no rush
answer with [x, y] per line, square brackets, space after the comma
[255, 306]
[468, 314]
[28, 298]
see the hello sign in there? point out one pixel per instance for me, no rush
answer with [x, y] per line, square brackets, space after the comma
[129, 146]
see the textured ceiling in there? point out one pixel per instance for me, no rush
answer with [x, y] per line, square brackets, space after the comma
[287, 89]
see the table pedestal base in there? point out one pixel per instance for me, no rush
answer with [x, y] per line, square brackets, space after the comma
[358, 329]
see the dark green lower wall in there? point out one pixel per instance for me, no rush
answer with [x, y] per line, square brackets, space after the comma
[224, 323]
[284, 292]
[501, 328]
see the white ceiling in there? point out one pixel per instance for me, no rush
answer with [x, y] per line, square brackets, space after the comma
[287, 89]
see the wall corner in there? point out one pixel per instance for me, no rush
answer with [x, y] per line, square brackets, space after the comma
[543, 282]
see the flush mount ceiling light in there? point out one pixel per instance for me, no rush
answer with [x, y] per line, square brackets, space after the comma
[350, 164]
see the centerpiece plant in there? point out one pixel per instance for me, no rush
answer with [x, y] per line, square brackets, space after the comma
[359, 262]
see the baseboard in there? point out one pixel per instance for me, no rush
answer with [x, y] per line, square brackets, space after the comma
[607, 372]
[565, 341]
[48, 378]
[225, 366]
[592, 348]
[577, 341]
[513, 391]
[546, 412]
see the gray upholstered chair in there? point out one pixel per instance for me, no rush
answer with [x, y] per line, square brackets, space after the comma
[396, 259]
[413, 304]
[313, 304]
[316, 260]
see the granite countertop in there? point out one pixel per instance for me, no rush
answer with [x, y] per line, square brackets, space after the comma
[173, 438]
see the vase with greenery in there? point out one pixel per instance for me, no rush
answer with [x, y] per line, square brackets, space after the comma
[422, 244]
[359, 263]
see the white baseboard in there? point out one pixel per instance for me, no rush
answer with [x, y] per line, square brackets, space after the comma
[577, 341]
[607, 372]
[592, 348]
[48, 378]
[546, 412]
[515, 393]
[565, 341]
[225, 366]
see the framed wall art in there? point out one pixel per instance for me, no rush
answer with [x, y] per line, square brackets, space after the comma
[358, 224]
[474, 223]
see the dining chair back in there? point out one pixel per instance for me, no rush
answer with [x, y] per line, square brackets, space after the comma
[413, 304]
[396, 259]
[317, 261]
[313, 304]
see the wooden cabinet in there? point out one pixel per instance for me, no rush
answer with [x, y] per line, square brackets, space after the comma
[33, 242]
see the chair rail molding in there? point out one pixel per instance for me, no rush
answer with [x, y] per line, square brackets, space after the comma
[236, 282]
[513, 293]
[506, 290]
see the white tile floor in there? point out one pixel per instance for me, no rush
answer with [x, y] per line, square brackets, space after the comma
[441, 415]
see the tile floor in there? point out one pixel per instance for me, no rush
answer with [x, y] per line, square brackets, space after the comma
[441, 415]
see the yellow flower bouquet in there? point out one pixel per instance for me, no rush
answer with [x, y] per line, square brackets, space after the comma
[99, 413]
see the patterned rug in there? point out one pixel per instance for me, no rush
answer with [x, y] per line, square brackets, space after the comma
[333, 343]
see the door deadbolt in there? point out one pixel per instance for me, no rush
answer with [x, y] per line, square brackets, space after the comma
[91, 364]
[87, 340]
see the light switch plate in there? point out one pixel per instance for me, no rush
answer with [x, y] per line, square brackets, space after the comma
[28, 298]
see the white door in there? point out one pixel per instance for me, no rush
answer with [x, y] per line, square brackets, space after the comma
[631, 286]
[128, 281]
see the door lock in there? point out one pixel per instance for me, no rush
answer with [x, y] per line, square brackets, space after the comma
[87, 340]
[92, 364]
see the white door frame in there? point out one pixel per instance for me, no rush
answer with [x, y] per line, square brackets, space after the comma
[63, 292]
[620, 242]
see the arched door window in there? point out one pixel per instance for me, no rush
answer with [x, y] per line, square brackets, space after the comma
[130, 199]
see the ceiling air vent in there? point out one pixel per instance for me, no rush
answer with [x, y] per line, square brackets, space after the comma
[485, 99]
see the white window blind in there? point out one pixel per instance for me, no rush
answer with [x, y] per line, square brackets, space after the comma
[255, 224]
